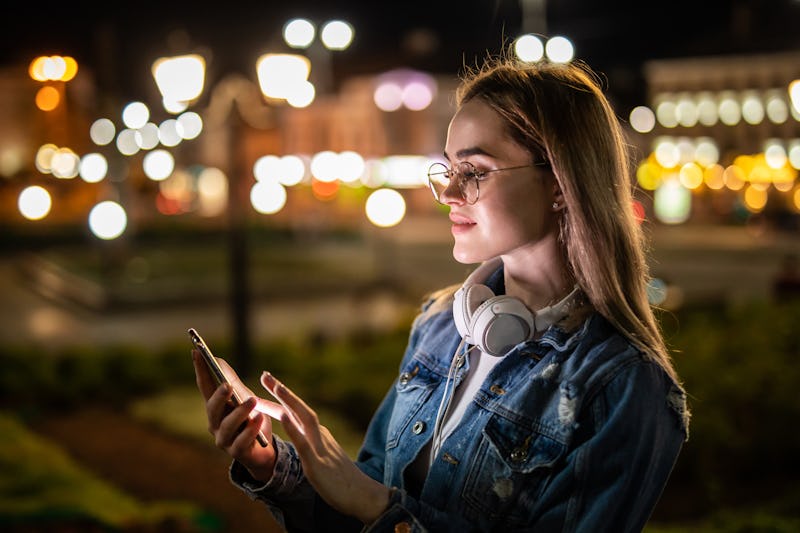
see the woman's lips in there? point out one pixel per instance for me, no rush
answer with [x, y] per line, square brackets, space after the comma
[460, 223]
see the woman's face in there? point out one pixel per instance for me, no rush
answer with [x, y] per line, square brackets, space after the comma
[514, 209]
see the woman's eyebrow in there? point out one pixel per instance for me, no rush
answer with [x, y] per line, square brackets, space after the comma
[466, 152]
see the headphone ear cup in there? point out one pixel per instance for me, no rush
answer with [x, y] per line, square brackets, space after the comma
[467, 300]
[500, 323]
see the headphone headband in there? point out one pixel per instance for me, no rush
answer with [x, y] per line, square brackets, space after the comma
[497, 323]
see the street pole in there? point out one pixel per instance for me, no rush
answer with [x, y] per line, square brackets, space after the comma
[238, 248]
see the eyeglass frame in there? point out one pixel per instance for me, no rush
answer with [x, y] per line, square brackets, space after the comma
[477, 177]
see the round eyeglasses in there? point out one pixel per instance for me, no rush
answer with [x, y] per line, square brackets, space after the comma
[467, 179]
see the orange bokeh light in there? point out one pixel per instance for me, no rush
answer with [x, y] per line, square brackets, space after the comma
[47, 98]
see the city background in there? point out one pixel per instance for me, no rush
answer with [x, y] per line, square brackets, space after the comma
[158, 171]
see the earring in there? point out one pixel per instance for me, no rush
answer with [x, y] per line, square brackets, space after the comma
[555, 205]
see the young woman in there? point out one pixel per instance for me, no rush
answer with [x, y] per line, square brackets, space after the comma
[539, 395]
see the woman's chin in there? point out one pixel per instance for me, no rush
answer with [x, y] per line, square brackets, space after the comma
[467, 257]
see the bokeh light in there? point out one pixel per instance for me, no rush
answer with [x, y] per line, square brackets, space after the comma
[529, 48]
[93, 167]
[47, 98]
[102, 131]
[212, 188]
[299, 33]
[108, 220]
[135, 115]
[642, 119]
[268, 196]
[190, 125]
[337, 34]
[385, 208]
[672, 202]
[180, 79]
[158, 165]
[34, 202]
[559, 49]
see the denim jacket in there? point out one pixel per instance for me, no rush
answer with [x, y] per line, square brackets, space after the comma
[574, 431]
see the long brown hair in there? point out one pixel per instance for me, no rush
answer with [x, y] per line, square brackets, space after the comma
[558, 111]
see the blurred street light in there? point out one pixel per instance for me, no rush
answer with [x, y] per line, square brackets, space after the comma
[558, 49]
[794, 94]
[334, 36]
[236, 103]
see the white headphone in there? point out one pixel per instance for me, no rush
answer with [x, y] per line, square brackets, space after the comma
[495, 324]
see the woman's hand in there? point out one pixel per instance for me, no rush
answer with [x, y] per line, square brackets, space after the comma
[326, 465]
[235, 428]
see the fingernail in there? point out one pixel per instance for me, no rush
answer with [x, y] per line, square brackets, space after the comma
[267, 378]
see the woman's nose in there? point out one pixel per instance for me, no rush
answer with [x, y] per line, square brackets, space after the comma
[452, 194]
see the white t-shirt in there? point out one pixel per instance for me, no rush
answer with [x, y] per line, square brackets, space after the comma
[480, 364]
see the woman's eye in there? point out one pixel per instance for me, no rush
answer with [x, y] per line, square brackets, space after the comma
[472, 173]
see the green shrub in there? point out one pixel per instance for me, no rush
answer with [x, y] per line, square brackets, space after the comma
[739, 367]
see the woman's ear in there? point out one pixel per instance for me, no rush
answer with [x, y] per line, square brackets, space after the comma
[558, 198]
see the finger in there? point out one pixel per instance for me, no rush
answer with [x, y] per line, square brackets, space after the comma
[234, 422]
[296, 434]
[230, 373]
[247, 435]
[271, 409]
[217, 406]
[296, 405]
[271, 384]
[205, 382]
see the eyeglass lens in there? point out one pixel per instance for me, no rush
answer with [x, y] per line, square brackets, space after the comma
[440, 176]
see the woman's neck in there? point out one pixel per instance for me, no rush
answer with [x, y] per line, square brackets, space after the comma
[538, 278]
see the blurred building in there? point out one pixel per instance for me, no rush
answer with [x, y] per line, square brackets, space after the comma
[725, 137]
[723, 146]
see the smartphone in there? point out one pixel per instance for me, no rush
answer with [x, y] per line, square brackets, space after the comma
[219, 375]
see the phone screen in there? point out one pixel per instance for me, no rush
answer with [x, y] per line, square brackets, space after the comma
[219, 375]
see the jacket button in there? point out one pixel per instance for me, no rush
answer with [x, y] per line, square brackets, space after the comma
[519, 455]
[405, 377]
[497, 389]
[419, 427]
[402, 527]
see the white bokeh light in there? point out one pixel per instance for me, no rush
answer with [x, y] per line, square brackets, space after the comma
[302, 95]
[190, 125]
[559, 49]
[267, 167]
[108, 220]
[126, 142]
[65, 163]
[102, 131]
[385, 208]
[299, 33]
[268, 196]
[93, 168]
[169, 133]
[324, 165]
[336, 34]
[34, 202]
[135, 115]
[158, 165]
[293, 170]
[529, 48]
[147, 136]
[642, 119]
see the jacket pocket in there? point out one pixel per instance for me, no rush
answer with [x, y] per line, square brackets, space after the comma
[513, 465]
[413, 388]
